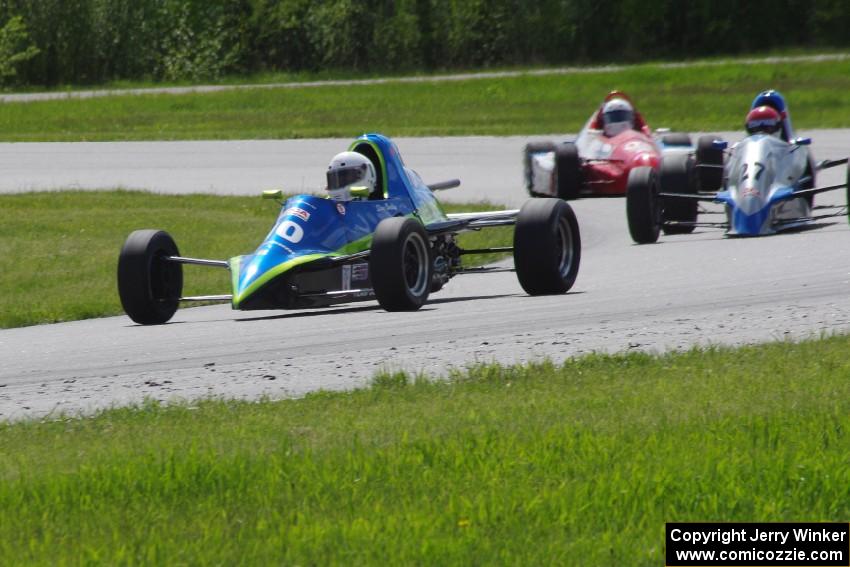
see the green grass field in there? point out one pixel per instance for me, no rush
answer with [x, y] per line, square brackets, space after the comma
[60, 250]
[701, 98]
[580, 464]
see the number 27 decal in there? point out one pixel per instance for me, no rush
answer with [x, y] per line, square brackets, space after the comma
[757, 165]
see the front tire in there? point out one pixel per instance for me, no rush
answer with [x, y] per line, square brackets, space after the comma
[149, 287]
[642, 208]
[676, 175]
[400, 264]
[547, 247]
[810, 173]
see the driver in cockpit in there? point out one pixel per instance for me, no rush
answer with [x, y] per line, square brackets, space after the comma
[764, 120]
[776, 101]
[618, 115]
[348, 171]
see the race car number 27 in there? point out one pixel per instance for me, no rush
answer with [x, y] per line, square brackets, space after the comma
[290, 231]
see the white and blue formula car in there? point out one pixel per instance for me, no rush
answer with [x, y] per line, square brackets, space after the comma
[765, 183]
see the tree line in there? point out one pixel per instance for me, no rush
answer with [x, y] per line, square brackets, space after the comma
[52, 42]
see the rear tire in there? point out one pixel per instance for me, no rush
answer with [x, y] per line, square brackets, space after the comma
[676, 175]
[400, 264]
[149, 287]
[547, 247]
[533, 148]
[709, 178]
[676, 139]
[642, 208]
[567, 171]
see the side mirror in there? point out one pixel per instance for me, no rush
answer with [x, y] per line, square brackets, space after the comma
[275, 194]
[719, 144]
[451, 183]
[359, 192]
[802, 141]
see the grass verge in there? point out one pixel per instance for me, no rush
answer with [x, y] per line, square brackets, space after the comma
[60, 250]
[577, 464]
[700, 98]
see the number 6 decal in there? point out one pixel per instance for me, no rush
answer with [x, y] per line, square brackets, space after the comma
[290, 231]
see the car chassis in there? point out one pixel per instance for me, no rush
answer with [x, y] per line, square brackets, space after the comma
[395, 245]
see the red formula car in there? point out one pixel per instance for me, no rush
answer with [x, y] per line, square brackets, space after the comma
[615, 140]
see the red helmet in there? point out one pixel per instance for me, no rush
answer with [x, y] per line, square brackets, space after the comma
[763, 119]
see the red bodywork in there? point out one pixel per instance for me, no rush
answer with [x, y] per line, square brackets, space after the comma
[606, 162]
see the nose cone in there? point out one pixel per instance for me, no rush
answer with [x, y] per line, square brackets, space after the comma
[645, 159]
[251, 269]
[252, 272]
[744, 224]
[751, 211]
[751, 199]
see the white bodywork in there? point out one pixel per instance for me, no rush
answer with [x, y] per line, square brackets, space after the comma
[760, 174]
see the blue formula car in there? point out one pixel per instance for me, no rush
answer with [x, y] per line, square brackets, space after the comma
[765, 183]
[387, 240]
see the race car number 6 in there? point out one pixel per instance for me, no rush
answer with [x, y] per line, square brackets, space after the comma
[290, 231]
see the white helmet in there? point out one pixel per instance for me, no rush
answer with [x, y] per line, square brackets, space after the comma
[348, 170]
[617, 116]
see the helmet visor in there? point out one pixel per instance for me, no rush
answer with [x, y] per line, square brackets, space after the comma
[762, 125]
[617, 116]
[345, 176]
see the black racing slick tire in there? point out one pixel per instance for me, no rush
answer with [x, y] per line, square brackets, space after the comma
[847, 181]
[567, 171]
[642, 208]
[533, 148]
[709, 164]
[547, 247]
[676, 139]
[400, 264]
[149, 287]
[676, 175]
[810, 184]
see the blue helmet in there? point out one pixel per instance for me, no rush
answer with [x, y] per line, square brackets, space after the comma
[771, 98]
[776, 101]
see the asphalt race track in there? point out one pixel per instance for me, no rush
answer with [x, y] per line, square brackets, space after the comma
[701, 289]
[489, 167]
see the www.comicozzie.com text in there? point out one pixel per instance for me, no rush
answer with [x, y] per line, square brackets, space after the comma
[726, 536]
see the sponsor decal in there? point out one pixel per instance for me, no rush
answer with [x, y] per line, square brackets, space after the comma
[340, 208]
[346, 277]
[298, 212]
[750, 192]
[360, 272]
[637, 146]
